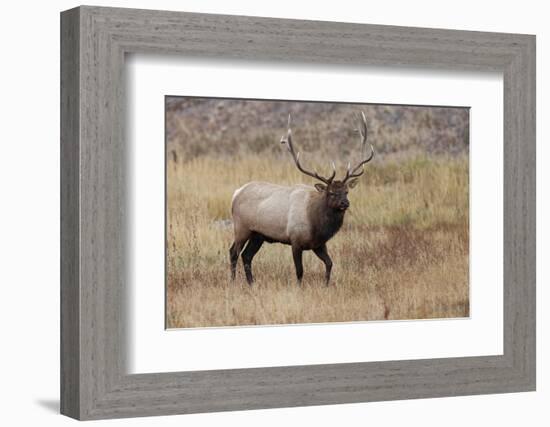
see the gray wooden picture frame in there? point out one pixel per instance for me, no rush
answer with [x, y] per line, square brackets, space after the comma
[94, 381]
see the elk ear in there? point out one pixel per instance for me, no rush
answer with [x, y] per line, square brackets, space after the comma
[353, 183]
[320, 187]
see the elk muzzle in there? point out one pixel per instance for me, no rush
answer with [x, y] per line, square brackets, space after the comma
[343, 205]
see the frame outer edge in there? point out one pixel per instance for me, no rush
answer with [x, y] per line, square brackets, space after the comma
[89, 354]
[532, 137]
[527, 78]
[70, 396]
[520, 216]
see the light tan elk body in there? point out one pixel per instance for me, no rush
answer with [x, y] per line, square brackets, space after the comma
[301, 216]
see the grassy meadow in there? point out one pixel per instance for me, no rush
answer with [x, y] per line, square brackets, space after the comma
[402, 252]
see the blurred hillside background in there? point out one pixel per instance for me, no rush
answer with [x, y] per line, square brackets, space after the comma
[198, 126]
[401, 254]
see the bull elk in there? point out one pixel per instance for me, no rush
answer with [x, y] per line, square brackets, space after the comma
[301, 216]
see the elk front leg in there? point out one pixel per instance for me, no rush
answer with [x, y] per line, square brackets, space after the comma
[322, 253]
[297, 256]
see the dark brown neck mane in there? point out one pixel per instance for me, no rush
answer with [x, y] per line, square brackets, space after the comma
[325, 221]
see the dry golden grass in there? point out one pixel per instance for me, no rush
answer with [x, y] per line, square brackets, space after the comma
[401, 254]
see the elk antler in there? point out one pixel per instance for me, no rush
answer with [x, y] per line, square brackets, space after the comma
[296, 157]
[362, 129]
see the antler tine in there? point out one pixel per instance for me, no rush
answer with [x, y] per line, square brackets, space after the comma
[296, 157]
[354, 173]
[333, 171]
[362, 129]
[348, 171]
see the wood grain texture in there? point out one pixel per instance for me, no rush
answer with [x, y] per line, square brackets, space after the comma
[70, 264]
[95, 240]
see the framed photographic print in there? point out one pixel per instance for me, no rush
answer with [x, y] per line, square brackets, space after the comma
[394, 238]
[261, 213]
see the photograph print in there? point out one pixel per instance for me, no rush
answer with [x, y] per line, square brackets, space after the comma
[295, 212]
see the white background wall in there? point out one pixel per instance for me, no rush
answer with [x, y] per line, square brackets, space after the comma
[29, 217]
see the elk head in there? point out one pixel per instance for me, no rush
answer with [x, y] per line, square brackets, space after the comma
[336, 191]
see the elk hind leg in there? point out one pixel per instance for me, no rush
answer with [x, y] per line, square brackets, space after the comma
[254, 244]
[234, 252]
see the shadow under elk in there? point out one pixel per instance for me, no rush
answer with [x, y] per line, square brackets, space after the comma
[301, 216]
